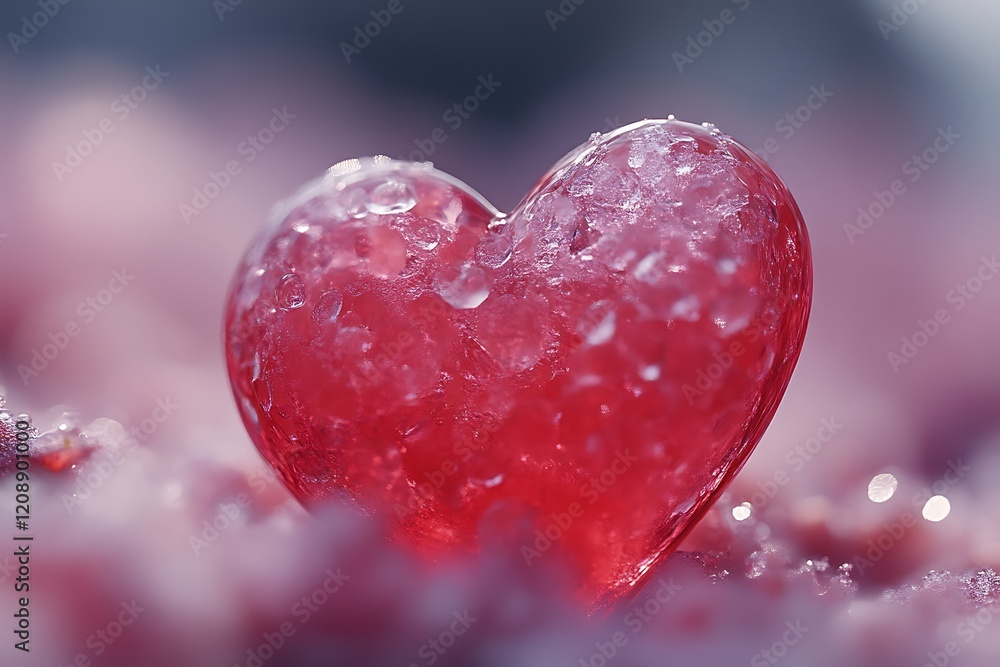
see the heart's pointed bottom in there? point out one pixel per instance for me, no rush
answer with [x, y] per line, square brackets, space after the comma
[583, 376]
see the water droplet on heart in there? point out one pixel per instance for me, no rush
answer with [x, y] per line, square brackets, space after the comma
[425, 234]
[290, 292]
[493, 250]
[391, 197]
[497, 223]
[354, 203]
[712, 128]
[328, 307]
[463, 287]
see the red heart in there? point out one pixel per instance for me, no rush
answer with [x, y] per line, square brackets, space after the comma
[602, 360]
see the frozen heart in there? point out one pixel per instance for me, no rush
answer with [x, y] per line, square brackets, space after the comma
[581, 376]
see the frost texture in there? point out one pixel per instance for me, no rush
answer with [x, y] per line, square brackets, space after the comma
[619, 342]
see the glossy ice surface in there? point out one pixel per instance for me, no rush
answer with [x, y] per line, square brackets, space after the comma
[582, 376]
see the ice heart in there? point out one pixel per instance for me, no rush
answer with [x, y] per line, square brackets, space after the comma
[597, 365]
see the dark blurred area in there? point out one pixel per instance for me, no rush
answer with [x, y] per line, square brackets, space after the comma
[430, 54]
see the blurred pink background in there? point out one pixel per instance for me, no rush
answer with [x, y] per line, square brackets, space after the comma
[890, 93]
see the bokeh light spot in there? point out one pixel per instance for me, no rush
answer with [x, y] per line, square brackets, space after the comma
[882, 487]
[937, 508]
